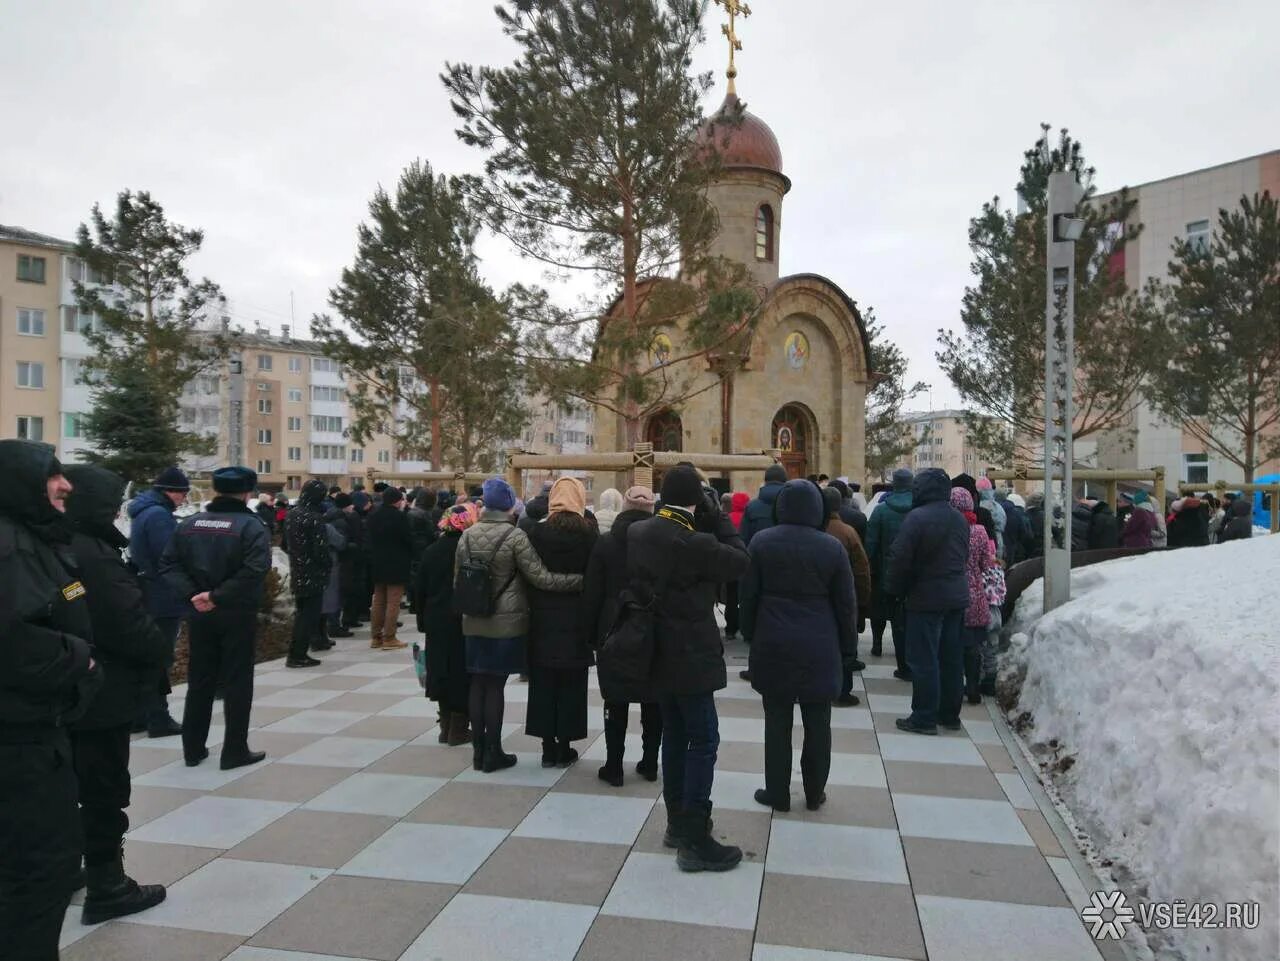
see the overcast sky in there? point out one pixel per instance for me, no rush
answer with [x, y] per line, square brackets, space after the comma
[269, 124]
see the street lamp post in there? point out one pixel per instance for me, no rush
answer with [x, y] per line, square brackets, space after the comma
[1063, 230]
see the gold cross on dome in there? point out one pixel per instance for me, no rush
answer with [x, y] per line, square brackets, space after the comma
[734, 8]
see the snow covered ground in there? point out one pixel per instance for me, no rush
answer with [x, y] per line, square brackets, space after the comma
[1160, 680]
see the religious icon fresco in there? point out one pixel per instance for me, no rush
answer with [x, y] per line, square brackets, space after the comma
[660, 351]
[797, 349]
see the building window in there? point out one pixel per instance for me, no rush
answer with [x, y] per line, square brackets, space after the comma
[30, 428]
[357, 455]
[295, 423]
[328, 452]
[333, 395]
[293, 482]
[264, 362]
[1196, 467]
[264, 405]
[295, 395]
[295, 453]
[1198, 239]
[263, 385]
[295, 365]
[264, 467]
[30, 322]
[30, 269]
[764, 233]
[322, 423]
[325, 365]
[384, 457]
[77, 321]
[73, 425]
[30, 375]
[79, 271]
[264, 436]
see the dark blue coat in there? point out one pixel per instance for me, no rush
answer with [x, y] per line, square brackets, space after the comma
[928, 557]
[151, 527]
[797, 602]
[759, 513]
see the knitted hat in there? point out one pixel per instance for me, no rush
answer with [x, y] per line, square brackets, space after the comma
[313, 492]
[568, 495]
[498, 495]
[638, 499]
[1139, 497]
[342, 501]
[360, 500]
[234, 480]
[902, 478]
[171, 479]
[831, 499]
[392, 495]
[984, 484]
[682, 488]
[777, 474]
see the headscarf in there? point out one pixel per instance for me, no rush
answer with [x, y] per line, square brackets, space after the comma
[459, 517]
[962, 501]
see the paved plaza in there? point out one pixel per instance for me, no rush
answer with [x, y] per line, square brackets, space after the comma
[362, 837]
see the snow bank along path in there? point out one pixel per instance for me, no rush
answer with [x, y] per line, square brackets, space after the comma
[1160, 677]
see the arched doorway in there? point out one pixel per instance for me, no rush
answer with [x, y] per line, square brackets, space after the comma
[793, 433]
[665, 431]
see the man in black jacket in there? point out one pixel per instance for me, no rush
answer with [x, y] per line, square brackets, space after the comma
[133, 652]
[309, 565]
[356, 591]
[390, 545]
[927, 570]
[219, 560]
[47, 676]
[423, 529]
[604, 581]
[681, 569]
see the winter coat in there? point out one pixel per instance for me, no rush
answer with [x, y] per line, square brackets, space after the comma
[1017, 534]
[859, 564]
[683, 567]
[1240, 527]
[558, 632]
[737, 508]
[1189, 526]
[126, 641]
[928, 558]
[854, 518]
[389, 542]
[45, 632]
[758, 515]
[604, 581]
[268, 514]
[446, 653]
[510, 565]
[535, 509]
[335, 523]
[224, 550]
[797, 602]
[309, 558]
[999, 517]
[151, 527]
[422, 530]
[882, 529]
[982, 555]
[611, 504]
[1102, 528]
[1142, 523]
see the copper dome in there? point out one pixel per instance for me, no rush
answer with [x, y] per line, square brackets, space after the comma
[750, 144]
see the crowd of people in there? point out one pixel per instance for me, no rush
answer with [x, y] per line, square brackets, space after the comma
[543, 590]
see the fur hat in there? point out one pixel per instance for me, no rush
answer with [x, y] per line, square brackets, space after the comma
[234, 480]
[638, 499]
[498, 495]
[569, 496]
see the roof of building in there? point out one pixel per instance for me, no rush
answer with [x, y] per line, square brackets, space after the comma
[743, 140]
[20, 235]
[932, 414]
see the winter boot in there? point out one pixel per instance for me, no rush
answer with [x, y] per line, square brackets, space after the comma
[675, 826]
[699, 851]
[988, 686]
[972, 667]
[459, 730]
[565, 755]
[110, 893]
[611, 773]
[647, 766]
[495, 759]
[548, 752]
[445, 722]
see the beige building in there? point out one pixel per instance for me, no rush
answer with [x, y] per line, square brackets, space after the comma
[941, 440]
[1184, 206]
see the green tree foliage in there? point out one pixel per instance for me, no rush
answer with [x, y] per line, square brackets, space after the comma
[156, 330]
[996, 360]
[590, 165]
[431, 353]
[1216, 370]
[889, 439]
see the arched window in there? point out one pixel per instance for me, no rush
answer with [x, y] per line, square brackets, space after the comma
[665, 431]
[764, 233]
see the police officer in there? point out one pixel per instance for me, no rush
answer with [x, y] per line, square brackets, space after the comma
[218, 559]
[133, 651]
[47, 679]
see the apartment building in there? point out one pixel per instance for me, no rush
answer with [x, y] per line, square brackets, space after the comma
[1184, 206]
[554, 429]
[942, 440]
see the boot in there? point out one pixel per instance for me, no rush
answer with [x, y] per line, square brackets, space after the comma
[565, 755]
[611, 773]
[647, 766]
[495, 759]
[393, 644]
[445, 721]
[675, 826]
[699, 851]
[163, 727]
[477, 752]
[459, 730]
[110, 893]
[972, 667]
[988, 686]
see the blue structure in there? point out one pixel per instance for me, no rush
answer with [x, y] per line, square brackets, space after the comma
[1262, 506]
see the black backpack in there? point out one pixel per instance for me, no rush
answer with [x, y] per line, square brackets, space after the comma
[473, 592]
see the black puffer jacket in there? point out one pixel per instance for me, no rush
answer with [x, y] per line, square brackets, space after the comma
[309, 559]
[558, 629]
[390, 544]
[45, 678]
[1240, 526]
[927, 563]
[605, 579]
[665, 556]
[126, 640]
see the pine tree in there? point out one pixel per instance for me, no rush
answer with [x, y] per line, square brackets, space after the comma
[1216, 369]
[590, 166]
[430, 351]
[151, 337]
[889, 442]
[996, 361]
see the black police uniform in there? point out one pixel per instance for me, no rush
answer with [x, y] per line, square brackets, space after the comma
[45, 682]
[225, 550]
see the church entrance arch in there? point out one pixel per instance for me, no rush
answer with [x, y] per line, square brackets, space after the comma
[794, 433]
[665, 431]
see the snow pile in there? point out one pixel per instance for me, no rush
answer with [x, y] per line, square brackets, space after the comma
[1159, 679]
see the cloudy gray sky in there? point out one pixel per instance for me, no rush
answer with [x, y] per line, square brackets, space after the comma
[269, 124]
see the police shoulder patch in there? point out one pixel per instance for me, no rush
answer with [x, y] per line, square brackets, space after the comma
[73, 590]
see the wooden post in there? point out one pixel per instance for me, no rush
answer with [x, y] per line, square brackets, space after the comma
[515, 477]
[460, 483]
[642, 465]
[1160, 491]
[1113, 494]
[1275, 509]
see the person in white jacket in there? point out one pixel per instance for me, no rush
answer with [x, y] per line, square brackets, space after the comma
[608, 508]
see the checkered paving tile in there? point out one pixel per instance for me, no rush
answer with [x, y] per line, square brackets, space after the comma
[363, 838]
